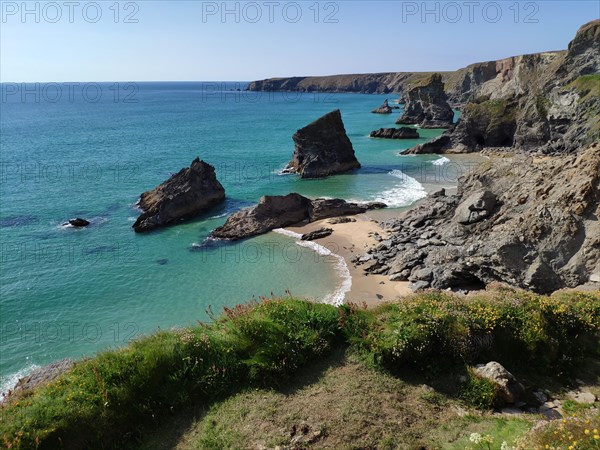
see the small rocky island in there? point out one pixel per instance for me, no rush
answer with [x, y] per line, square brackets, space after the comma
[276, 211]
[427, 105]
[190, 192]
[395, 133]
[322, 148]
[385, 108]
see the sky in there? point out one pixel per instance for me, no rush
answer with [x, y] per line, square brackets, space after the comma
[148, 40]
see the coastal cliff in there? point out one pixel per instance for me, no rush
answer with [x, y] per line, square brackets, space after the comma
[529, 216]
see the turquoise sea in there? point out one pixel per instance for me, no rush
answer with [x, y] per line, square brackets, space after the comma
[90, 152]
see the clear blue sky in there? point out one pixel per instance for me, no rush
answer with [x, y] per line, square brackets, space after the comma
[191, 40]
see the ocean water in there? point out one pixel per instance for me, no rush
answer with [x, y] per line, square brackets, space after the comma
[91, 151]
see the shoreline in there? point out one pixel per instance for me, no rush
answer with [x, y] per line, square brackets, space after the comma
[354, 238]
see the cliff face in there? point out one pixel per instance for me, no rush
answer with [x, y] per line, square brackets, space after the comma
[426, 105]
[548, 102]
[496, 79]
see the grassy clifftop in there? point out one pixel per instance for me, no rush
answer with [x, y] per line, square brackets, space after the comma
[113, 399]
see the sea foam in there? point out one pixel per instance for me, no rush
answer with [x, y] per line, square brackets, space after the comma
[404, 194]
[441, 161]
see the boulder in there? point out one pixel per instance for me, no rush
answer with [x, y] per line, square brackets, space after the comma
[190, 192]
[509, 389]
[322, 208]
[336, 220]
[272, 211]
[476, 207]
[276, 211]
[79, 222]
[383, 109]
[395, 133]
[426, 104]
[317, 234]
[322, 148]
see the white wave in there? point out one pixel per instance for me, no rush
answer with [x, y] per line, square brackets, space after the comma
[441, 161]
[336, 297]
[287, 233]
[8, 382]
[408, 192]
[218, 216]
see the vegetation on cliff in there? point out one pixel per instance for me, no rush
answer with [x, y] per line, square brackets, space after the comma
[115, 397]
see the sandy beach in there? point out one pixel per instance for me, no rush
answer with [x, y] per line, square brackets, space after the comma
[354, 238]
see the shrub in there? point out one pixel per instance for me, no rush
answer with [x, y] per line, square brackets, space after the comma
[479, 392]
[119, 393]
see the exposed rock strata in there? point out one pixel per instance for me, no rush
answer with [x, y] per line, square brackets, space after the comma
[188, 193]
[531, 222]
[547, 102]
[322, 148]
[426, 105]
[274, 211]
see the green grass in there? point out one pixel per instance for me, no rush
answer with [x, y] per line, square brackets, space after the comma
[113, 399]
[587, 85]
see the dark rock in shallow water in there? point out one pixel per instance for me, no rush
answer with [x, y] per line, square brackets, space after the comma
[41, 376]
[322, 148]
[427, 105]
[162, 262]
[272, 212]
[79, 222]
[395, 133]
[383, 109]
[281, 211]
[188, 193]
[317, 234]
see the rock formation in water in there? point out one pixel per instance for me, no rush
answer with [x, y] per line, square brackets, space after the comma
[276, 211]
[322, 148]
[426, 105]
[395, 133]
[188, 193]
[384, 109]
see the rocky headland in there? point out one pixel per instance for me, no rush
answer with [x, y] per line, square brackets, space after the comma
[426, 105]
[526, 221]
[322, 148]
[190, 192]
[395, 133]
[277, 211]
[544, 103]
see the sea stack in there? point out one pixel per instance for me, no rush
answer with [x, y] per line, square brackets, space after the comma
[190, 192]
[322, 148]
[426, 105]
[383, 109]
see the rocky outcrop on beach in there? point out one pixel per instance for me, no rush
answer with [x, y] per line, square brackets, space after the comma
[41, 376]
[190, 192]
[426, 105]
[545, 103]
[395, 133]
[277, 211]
[525, 220]
[385, 108]
[322, 148]
[317, 234]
